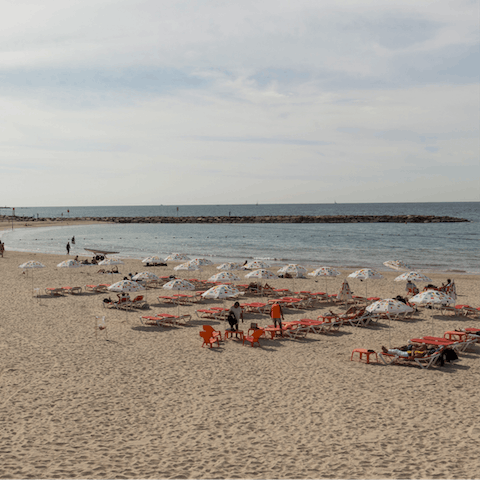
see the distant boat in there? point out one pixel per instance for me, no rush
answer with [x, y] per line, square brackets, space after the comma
[334, 202]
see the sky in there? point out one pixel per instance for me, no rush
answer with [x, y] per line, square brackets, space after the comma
[130, 102]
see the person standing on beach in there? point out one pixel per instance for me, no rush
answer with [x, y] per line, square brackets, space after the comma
[68, 248]
[276, 313]
[2, 248]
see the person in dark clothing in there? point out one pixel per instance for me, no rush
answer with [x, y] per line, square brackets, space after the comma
[68, 248]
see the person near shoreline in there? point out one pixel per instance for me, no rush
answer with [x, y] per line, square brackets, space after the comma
[68, 248]
[2, 249]
[73, 240]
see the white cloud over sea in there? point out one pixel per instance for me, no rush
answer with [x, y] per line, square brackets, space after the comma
[187, 102]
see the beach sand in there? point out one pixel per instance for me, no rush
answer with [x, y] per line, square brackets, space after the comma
[148, 402]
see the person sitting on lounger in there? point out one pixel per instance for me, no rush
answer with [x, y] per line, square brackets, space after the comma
[123, 297]
[411, 288]
[407, 351]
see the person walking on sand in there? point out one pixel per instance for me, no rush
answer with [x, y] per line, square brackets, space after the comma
[276, 313]
[68, 248]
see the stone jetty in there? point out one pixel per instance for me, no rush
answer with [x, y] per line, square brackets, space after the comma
[252, 219]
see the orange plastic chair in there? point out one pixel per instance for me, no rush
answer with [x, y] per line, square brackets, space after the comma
[208, 340]
[212, 332]
[254, 338]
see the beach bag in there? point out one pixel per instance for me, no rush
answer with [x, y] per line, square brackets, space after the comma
[232, 319]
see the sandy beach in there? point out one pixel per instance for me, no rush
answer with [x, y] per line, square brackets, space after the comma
[136, 401]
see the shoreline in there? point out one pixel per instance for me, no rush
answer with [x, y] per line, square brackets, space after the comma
[275, 264]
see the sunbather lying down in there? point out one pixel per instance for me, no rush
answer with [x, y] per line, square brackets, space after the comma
[414, 350]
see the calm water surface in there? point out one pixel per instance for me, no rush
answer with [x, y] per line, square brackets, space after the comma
[438, 246]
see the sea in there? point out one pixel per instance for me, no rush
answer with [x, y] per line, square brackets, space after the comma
[443, 247]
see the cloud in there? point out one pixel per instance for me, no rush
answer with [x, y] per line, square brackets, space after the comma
[195, 101]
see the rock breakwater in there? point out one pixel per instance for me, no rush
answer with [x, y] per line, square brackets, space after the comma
[252, 219]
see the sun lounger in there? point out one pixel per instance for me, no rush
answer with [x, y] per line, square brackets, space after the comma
[257, 307]
[471, 312]
[72, 290]
[325, 326]
[206, 313]
[54, 292]
[165, 320]
[297, 331]
[422, 362]
[439, 341]
[139, 302]
[166, 299]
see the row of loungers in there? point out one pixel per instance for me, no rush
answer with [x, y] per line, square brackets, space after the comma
[57, 291]
[165, 320]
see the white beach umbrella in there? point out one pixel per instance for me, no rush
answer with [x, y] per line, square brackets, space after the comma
[229, 266]
[256, 264]
[201, 262]
[432, 297]
[324, 272]
[224, 276]
[366, 274]
[389, 306]
[70, 264]
[111, 261]
[221, 291]
[178, 284]
[397, 265]
[412, 277]
[177, 257]
[187, 266]
[293, 269]
[261, 273]
[153, 259]
[145, 276]
[30, 265]
[125, 286]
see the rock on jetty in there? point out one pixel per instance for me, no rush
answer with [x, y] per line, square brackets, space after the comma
[254, 219]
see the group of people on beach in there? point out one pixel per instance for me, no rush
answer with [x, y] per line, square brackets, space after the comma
[235, 314]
